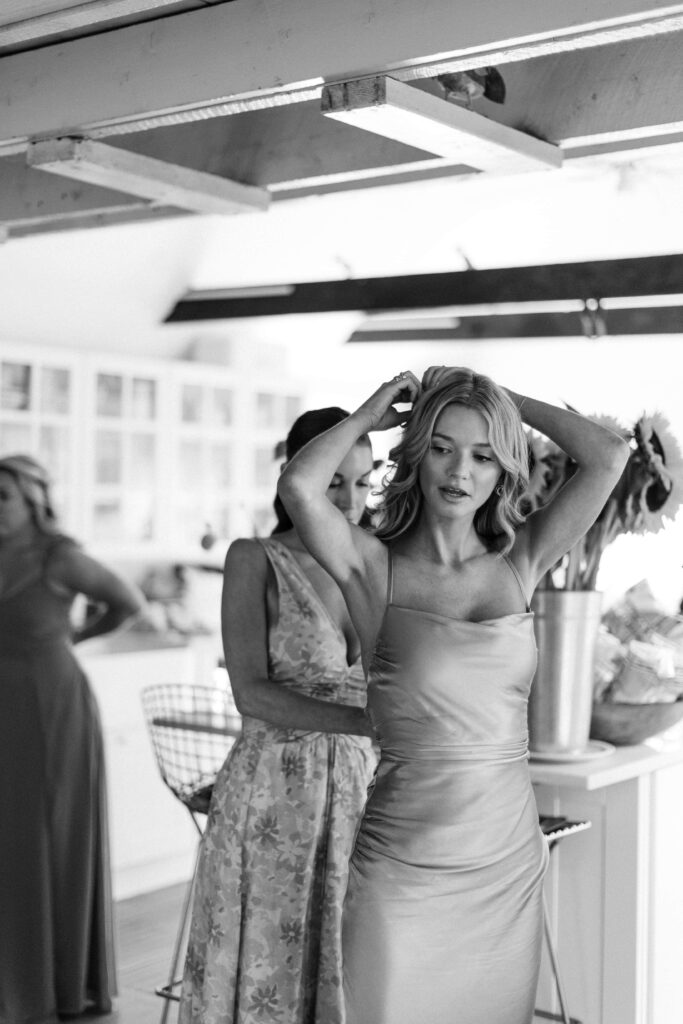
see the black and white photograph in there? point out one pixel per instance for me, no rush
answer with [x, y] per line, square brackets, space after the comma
[341, 512]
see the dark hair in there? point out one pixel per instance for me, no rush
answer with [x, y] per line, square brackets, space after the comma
[307, 426]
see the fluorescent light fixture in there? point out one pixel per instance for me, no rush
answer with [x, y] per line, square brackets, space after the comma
[261, 291]
[434, 317]
[161, 182]
[642, 301]
[399, 317]
[409, 323]
[588, 320]
[401, 112]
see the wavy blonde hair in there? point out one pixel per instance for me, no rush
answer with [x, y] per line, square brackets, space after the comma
[498, 518]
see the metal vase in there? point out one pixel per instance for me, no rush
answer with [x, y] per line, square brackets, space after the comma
[561, 702]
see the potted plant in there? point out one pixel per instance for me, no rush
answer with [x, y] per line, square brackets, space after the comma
[567, 605]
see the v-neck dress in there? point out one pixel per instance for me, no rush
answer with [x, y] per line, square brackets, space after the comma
[265, 939]
[56, 932]
[443, 915]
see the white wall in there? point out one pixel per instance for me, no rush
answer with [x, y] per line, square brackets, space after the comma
[106, 289]
[621, 377]
[110, 289]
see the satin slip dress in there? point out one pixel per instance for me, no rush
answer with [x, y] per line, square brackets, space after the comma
[443, 913]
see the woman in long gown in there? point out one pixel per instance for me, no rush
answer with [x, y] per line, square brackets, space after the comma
[56, 936]
[442, 920]
[265, 939]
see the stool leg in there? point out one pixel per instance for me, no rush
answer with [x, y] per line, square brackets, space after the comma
[564, 1015]
[166, 991]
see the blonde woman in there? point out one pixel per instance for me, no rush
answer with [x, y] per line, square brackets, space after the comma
[442, 919]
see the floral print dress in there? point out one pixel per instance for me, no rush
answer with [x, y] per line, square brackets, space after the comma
[265, 939]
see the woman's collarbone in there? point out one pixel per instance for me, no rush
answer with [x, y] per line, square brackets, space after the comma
[461, 593]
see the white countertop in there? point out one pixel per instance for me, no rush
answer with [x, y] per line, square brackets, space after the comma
[622, 764]
[129, 641]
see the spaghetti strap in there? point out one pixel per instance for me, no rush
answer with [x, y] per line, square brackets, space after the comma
[390, 577]
[517, 576]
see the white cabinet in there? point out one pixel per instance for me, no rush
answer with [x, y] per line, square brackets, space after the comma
[122, 463]
[208, 433]
[39, 414]
[147, 455]
[615, 892]
[153, 840]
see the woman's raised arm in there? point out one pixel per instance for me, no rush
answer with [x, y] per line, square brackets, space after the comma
[600, 456]
[340, 547]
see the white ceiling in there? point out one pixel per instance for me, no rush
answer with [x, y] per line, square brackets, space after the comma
[109, 289]
[97, 286]
[604, 208]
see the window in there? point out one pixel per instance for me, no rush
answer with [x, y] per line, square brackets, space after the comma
[267, 411]
[55, 390]
[143, 399]
[15, 386]
[109, 400]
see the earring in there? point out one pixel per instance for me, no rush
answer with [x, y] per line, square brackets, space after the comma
[499, 490]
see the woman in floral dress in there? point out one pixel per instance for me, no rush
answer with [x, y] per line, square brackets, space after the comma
[265, 940]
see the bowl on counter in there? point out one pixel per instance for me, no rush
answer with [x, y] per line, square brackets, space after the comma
[625, 724]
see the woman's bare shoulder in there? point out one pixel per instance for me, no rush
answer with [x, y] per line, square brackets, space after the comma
[245, 571]
[245, 552]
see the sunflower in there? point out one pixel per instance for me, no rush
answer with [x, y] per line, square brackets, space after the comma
[649, 491]
[653, 489]
[548, 470]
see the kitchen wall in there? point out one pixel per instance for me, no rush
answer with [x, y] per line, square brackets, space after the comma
[110, 289]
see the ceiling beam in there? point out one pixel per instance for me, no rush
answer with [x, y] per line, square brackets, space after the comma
[607, 323]
[31, 199]
[398, 111]
[22, 21]
[630, 97]
[614, 99]
[653, 275]
[160, 182]
[131, 213]
[611, 98]
[193, 64]
[300, 142]
[277, 144]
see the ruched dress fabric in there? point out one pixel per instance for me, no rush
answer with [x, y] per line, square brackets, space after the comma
[443, 915]
[56, 933]
[265, 939]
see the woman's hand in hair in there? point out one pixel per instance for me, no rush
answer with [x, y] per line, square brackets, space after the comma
[380, 409]
[435, 376]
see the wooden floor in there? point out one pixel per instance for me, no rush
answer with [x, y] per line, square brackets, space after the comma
[146, 927]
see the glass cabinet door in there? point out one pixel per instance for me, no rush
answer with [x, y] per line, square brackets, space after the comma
[109, 395]
[204, 470]
[15, 386]
[37, 418]
[146, 452]
[125, 457]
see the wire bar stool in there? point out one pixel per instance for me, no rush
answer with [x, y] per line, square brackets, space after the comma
[192, 729]
[555, 829]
